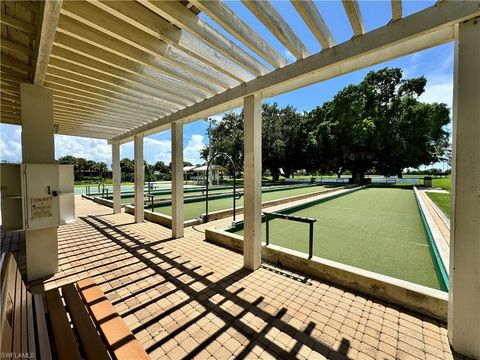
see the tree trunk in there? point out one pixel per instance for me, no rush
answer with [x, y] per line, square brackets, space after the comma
[358, 177]
[400, 175]
[275, 174]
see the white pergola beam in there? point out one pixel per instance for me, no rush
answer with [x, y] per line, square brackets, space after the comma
[311, 16]
[274, 22]
[74, 86]
[464, 290]
[17, 24]
[51, 14]
[12, 46]
[185, 19]
[130, 82]
[354, 16]
[101, 46]
[148, 21]
[396, 10]
[424, 29]
[94, 17]
[101, 81]
[225, 17]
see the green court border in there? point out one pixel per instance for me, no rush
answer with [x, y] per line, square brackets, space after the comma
[433, 247]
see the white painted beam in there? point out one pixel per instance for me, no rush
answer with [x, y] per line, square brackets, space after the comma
[130, 75]
[464, 291]
[427, 28]
[51, 14]
[18, 48]
[139, 178]
[311, 16]
[274, 22]
[82, 76]
[97, 92]
[177, 179]
[98, 19]
[354, 16]
[148, 21]
[116, 178]
[252, 208]
[225, 17]
[185, 19]
[396, 10]
[17, 24]
[129, 83]
[102, 47]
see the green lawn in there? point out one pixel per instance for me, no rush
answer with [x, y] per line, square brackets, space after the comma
[193, 210]
[377, 229]
[443, 201]
[443, 183]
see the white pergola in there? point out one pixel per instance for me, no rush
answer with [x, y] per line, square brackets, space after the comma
[121, 70]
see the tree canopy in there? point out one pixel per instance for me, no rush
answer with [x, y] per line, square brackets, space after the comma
[378, 124]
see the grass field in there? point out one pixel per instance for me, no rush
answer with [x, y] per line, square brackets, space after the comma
[442, 201]
[377, 229]
[443, 183]
[193, 210]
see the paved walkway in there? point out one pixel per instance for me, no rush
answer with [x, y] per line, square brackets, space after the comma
[441, 221]
[187, 298]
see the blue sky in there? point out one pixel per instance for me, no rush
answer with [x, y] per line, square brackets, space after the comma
[436, 64]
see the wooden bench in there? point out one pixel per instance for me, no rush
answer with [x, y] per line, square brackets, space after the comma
[72, 322]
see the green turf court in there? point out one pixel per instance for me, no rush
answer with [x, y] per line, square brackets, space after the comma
[377, 229]
[193, 209]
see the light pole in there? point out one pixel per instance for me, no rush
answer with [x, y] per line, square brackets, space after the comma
[210, 149]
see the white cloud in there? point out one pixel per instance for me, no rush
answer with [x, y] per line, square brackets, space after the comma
[90, 149]
[191, 153]
[160, 150]
[438, 92]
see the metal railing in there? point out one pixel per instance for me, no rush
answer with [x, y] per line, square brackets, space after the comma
[274, 215]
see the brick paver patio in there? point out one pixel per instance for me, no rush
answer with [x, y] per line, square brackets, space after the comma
[187, 298]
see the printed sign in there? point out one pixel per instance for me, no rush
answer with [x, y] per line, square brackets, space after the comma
[41, 207]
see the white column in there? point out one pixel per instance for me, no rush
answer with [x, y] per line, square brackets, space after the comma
[139, 178]
[252, 234]
[464, 291]
[177, 177]
[116, 178]
[38, 147]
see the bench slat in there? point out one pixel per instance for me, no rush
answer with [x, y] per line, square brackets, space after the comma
[17, 315]
[62, 332]
[30, 324]
[7, 307]
[89, 337]
[116, 333]
[24, 341]
[42, 331]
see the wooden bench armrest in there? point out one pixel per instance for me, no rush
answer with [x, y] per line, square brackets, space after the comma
[117, 336]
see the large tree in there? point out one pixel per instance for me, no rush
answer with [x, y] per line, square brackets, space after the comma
[381, 124]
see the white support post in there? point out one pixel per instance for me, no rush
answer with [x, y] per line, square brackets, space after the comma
[139, 178]
[38, 147]
[116, 178]
[177, 180]
[464, 290]
[252, 244]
